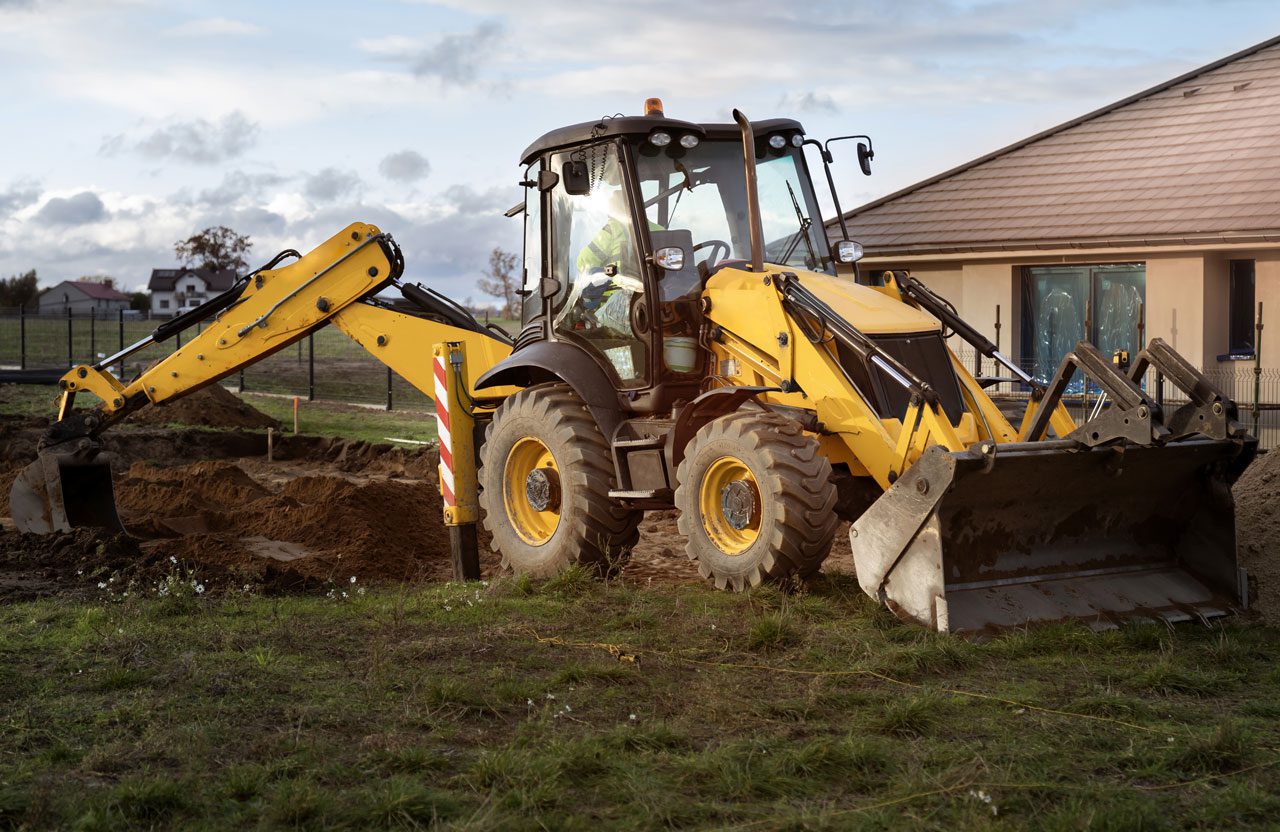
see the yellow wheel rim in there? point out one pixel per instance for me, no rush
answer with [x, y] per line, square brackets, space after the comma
[531, 491]
[729, 501]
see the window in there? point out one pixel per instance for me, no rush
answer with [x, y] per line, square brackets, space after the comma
[1062, 305]
[1240, 306]
[594, 256]
[164, 303]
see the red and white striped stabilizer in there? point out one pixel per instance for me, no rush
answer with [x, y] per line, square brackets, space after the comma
[442, 428]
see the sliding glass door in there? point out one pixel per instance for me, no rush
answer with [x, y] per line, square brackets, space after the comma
[1063, 304]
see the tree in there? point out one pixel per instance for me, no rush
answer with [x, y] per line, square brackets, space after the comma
[500, 280]
[140, 301]
[216, 248]
[20, 290]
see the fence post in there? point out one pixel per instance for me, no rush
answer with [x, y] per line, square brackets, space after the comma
[388, 388]
[1257, 371]
[241, 380]
[22, 337]
[71, 362]
[93, 336]
[311, 367]
[121, 324]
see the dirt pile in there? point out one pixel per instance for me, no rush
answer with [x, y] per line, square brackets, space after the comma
[211, 407]
[1257, 495]
[325, 527]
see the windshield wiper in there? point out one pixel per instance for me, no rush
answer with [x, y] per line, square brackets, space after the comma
[803, 234]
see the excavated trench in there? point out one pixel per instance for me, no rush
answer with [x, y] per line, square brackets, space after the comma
[327, 510]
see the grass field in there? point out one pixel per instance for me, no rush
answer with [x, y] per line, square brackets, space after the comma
[569, 704]
[315, 418]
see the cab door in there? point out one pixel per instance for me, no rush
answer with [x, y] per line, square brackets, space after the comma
[595, 257]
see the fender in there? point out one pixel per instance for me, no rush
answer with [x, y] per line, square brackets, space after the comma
[546, 361]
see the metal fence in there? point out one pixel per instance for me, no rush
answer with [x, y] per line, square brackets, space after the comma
[328, 366]
[325, 366]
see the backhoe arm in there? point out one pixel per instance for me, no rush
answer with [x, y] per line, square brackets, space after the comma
[265, 312]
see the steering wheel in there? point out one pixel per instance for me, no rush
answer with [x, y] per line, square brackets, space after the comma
[715, 256]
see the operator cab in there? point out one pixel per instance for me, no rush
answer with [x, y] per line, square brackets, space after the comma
[627, 217]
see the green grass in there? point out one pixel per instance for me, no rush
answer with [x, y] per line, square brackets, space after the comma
[314, 418]
[352, 421]
[567, 704]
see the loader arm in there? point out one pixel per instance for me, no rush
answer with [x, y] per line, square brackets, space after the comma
[267, 311]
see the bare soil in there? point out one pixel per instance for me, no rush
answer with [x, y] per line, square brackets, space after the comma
[213, 406]
[327, 510]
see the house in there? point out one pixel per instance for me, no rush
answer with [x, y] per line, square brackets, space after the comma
[1154, 216]
[173, 289]
[82, 297]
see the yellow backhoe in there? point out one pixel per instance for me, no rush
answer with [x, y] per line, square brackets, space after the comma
[688, 340]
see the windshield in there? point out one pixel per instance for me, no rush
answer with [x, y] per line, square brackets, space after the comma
[704, 191]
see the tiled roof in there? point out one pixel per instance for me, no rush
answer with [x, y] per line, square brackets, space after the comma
[163, 280]
[1196, 157]
[97, 291]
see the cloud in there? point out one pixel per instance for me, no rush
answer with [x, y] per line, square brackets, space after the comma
[237, 186]
[404, 166]
[215, 27]
[81, 209]
[808, 102]
[331, 183]
[19, 195]
[199, 141]
[453, 60]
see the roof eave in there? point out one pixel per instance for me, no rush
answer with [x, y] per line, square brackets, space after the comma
[1152, 241]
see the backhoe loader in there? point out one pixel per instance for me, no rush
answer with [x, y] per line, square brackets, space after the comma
[691, 340]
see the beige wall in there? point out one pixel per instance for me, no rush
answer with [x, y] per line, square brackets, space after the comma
[1186, 302]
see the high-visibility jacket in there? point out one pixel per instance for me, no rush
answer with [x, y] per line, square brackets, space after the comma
[612, 244]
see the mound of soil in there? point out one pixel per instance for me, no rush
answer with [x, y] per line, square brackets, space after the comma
[1257, 495]
[211, 407]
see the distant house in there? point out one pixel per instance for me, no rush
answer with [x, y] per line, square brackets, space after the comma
[174, 289]
[1154, 216]
[82, 298]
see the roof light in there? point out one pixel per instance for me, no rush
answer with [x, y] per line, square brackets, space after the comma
[689, 141]
[653, 107]
[777, 141]
[797, 140]
[659, 139]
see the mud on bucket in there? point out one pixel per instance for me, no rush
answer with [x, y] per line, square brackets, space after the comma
[1048, 531]
[61, 492]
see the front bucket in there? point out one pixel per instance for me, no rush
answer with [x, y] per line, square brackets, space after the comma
[1048, 531]
[60, 492]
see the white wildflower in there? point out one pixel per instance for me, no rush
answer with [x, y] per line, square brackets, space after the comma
[633, 717]
[102, 584]
[172, 559]
[353, 579]
[551, 696]
[529, 702]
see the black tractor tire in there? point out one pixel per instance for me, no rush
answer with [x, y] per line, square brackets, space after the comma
[794, 516]
[592, 529]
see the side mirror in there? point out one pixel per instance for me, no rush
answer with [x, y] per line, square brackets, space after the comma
[847, 252]
[673, 254]
[865, 155]
[576, 180]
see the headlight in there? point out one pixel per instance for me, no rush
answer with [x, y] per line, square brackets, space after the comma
[659, 139]
[670, 258]
[847, 251]
[689, 141]
[777, 141]
[797, 140]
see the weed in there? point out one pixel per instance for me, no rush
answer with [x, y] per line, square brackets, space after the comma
[910, 716]
[771, 631]
[1222, 751]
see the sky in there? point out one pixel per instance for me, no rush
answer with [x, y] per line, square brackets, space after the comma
[130, 124]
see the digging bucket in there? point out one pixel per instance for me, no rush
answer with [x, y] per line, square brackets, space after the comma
[1046, 531]
[64, 491]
